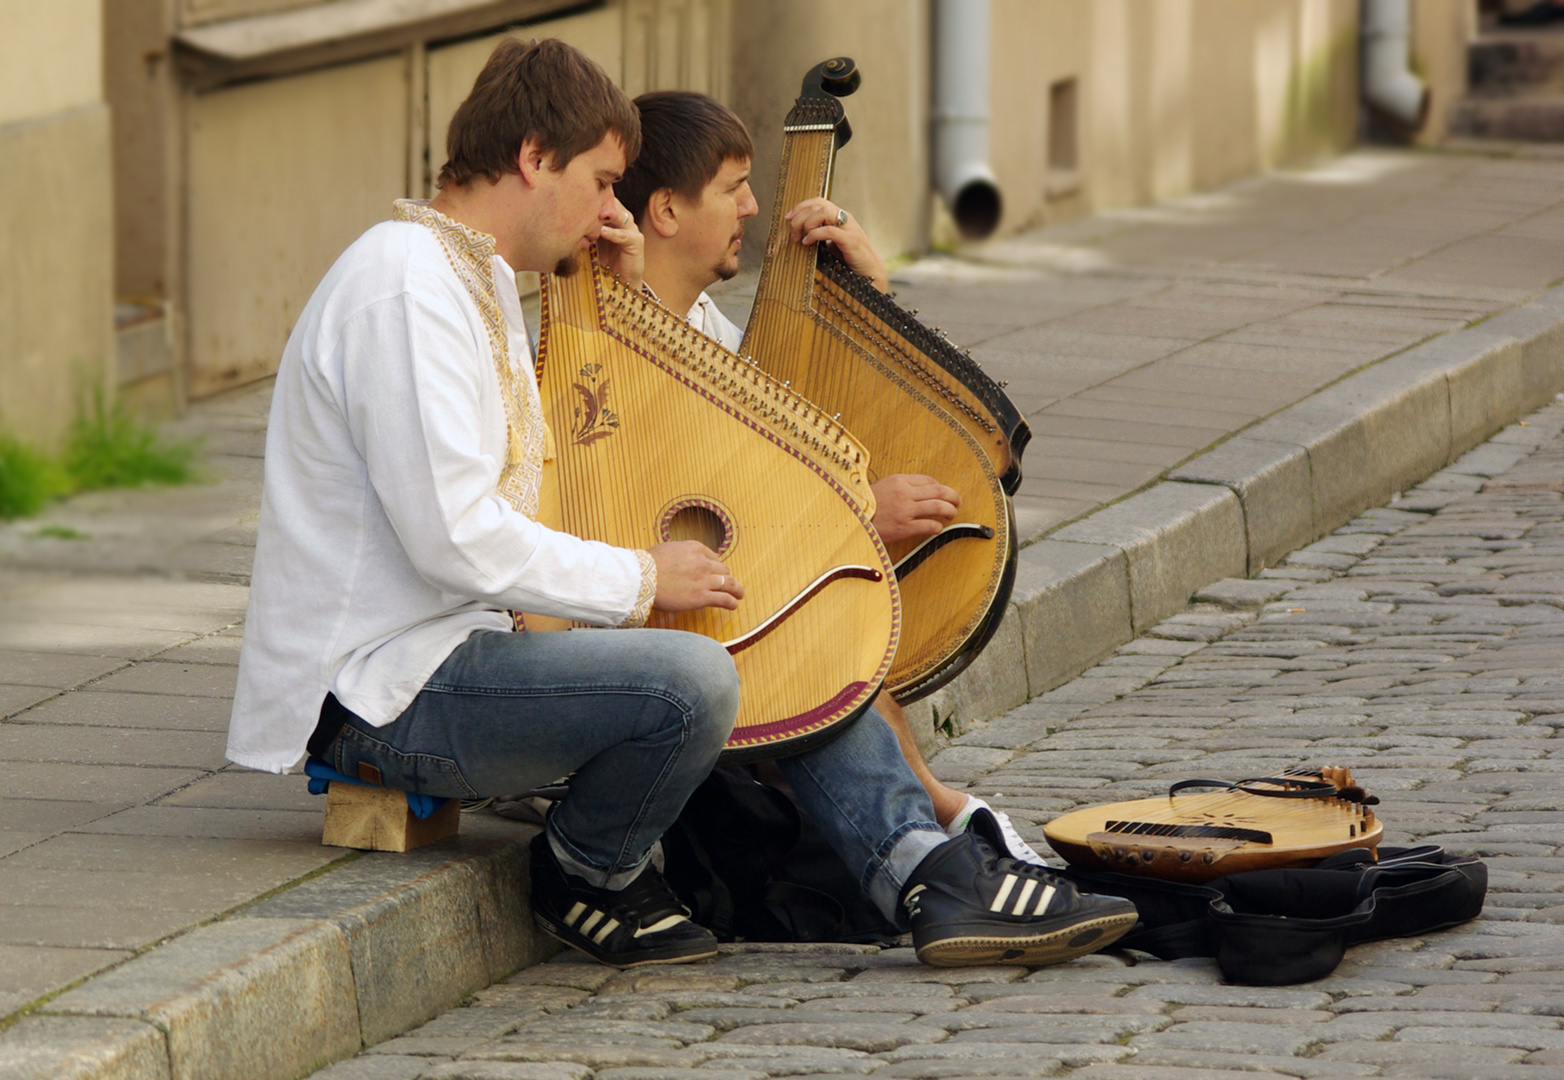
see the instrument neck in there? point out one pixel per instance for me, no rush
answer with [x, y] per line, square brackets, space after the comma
[808, 157]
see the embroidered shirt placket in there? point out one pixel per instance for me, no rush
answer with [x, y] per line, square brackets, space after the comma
[471, 255]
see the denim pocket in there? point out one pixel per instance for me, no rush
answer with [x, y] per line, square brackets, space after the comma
[425, 774]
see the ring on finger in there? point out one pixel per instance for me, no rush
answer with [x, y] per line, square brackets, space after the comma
[841, 217]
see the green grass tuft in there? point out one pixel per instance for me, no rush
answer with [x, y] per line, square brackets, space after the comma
[60, 532]
[111, 448]
[28, 479]
[108, 448]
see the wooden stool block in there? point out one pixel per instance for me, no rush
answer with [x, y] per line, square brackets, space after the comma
[378, 819]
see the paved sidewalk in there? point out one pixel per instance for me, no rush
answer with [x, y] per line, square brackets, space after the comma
[1133, 341]
[1420, 645]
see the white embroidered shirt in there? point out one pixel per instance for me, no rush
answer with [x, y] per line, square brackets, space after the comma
[705, 317]
[402, 463]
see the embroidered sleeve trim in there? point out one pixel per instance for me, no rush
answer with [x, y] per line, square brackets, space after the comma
[643, 602]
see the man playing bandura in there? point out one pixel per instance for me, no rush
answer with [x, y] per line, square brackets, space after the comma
[870, 791]
[398, 530]
[689, 191]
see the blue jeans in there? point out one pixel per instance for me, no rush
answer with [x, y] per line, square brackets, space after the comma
[638, 715]
[860, 793]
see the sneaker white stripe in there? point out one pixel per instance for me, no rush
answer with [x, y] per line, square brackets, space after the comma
[1044, 900]
[1004, 893]
[661, 924]
[608, 928]
[586, 926]
[574, 913]
[1026, 894]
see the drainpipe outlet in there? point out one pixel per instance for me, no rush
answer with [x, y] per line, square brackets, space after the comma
[1389, 87]
[961, 171]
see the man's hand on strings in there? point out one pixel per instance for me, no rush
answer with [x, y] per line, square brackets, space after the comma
[621, 246]
[814, 220]
[909, 505]
[690, 576]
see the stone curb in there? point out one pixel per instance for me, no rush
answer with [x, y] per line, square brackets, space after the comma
[1284, 482]
[301, 979]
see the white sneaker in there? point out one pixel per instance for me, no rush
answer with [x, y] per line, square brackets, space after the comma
[1018, 848]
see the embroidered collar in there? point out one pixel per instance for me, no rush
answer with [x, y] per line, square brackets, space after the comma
[471, 255]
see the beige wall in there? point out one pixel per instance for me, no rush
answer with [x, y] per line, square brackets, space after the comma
[882, 173]
[278, 176]
[283, 175]
[50, 57]
[56, 253]
[1173, 95]
[146, 125]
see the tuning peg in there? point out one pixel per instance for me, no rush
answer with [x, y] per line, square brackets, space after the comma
[914, 311]
[1003, 383]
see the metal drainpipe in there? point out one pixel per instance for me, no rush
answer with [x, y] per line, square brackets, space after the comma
[961, 171]
[1389, 87]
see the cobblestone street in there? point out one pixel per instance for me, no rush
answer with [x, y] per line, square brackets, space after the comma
[1421, 645]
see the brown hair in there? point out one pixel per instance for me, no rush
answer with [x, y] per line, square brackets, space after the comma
[545, 90]
[685, 138]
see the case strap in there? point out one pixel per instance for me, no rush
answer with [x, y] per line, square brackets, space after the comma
[1296, 789]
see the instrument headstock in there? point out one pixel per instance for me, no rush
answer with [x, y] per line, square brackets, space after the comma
[818, 107]
[838, 76]
[1341, 778]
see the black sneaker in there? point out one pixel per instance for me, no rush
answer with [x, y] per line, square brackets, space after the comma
[642, 923]
[972, 904]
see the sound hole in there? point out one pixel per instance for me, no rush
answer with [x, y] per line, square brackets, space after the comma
[698, 519]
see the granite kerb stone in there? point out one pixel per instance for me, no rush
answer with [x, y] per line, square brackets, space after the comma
[425, 928]
[1368, 437]
[1274, 486]
[239, 999]
[1405, 417]
[83, 1048]
[1069, 608]
[1539, 327]
[1176, 537]
[300, 979]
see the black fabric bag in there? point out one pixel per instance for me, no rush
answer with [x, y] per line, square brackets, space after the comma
[750, 866]
[1276, 927]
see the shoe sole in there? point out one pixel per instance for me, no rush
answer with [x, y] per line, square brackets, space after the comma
[622, 965]
[1029, 950]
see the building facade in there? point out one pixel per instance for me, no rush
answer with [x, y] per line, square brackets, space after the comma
[56, 217]
[252, 140]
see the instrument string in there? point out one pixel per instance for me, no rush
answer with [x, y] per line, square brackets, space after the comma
[835, 377]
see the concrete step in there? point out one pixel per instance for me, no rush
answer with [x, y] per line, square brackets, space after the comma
[1538, 118]
[1502, 63]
